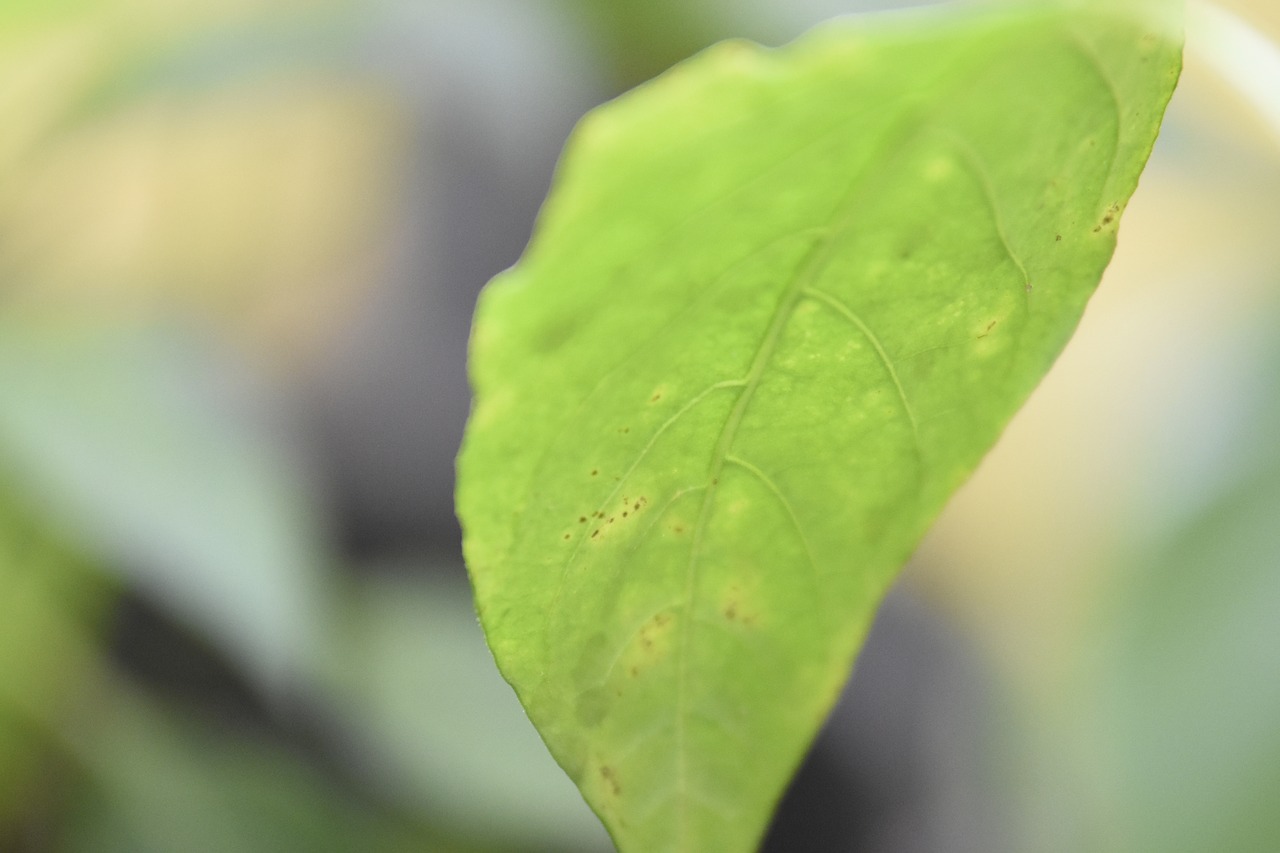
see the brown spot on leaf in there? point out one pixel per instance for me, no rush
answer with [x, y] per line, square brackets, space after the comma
[1107, 218]
[610, 777]
[737, 609]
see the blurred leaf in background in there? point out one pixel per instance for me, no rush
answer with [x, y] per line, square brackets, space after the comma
[413, 653]
[139, 444]
[194, 199]
[1192, 701]
[51, 606]
[160, 780]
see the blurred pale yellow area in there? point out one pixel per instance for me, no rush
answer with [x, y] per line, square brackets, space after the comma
[1026, 553]
[255, 202]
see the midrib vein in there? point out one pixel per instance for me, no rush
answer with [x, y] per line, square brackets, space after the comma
[806, 273]
[906, 122]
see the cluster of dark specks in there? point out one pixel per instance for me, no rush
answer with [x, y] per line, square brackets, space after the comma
[1110, 216]
[629, 508]
[659, 621]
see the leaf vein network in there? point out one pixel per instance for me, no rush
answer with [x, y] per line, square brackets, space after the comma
[777, 492]
[845, 312]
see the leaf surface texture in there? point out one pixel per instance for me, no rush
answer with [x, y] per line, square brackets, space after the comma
[776, 309]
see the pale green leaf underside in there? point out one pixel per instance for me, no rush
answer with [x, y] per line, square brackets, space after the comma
[778, 306]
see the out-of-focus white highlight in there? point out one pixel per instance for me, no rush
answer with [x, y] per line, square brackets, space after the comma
[1245, 57]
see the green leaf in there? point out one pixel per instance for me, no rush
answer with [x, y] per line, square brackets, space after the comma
[778, 306]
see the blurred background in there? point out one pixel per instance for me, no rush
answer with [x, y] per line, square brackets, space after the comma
[240, 242]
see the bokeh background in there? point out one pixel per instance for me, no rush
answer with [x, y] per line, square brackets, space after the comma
[240, 242]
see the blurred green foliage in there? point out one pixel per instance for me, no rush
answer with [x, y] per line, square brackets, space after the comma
[1189, 701]
[141, 448]
[642, 38]
[52, 606]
